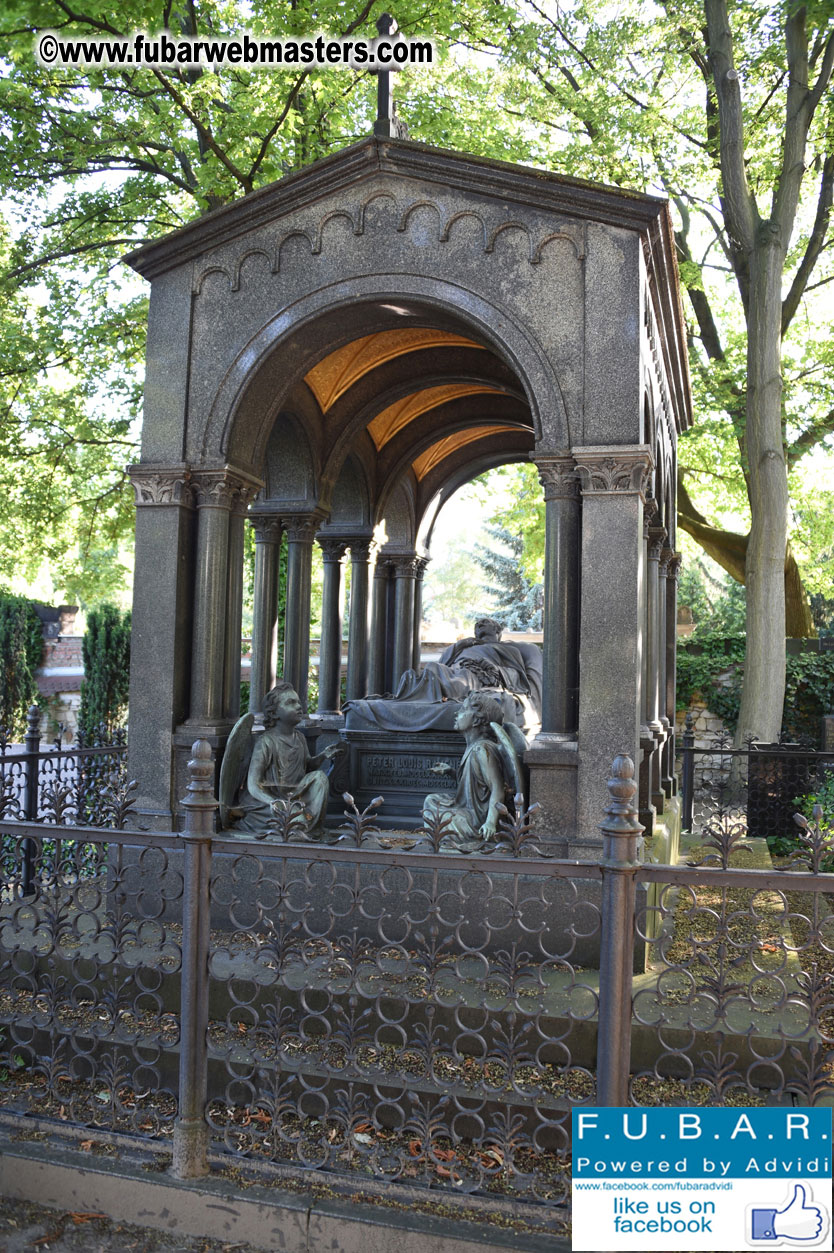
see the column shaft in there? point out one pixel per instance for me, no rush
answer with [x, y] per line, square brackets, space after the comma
[332, 607]
[378, 658]
[614, 481]
[218, 493]
[422, 563]
[265, 613]
[672, 571]
[361, 553]
[209, 639]
[300, 533]
[656, 661]
[404, 579]
[560, 697]
[234, 603]
[161, 637]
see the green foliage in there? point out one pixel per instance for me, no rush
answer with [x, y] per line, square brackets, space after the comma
[518, 601]
[106, 652]
[702, 668]
[21, 652]
[699, 667]
[789, 842]
[824, 796]
[523, 517]
[452, 590]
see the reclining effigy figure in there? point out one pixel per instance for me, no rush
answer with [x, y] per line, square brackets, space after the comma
[261, 775]
[488, 770]
[510, 671]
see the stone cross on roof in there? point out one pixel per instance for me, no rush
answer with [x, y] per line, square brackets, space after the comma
[387, 123]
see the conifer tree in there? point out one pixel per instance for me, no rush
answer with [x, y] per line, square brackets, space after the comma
[21, 650]
[106, 652]
[518, 601]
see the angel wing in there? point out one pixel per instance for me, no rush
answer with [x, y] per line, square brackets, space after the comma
[235, 766]
[512, 745]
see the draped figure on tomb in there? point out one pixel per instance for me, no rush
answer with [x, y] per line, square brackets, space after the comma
[510, 671]
[263, 774]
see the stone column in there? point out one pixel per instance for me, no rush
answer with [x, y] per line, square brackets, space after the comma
[378, 659]
[656, 659]
[673, 567]
[301, 530]
[268, 532]
[422, 566]
[234, 603]
[160, 634]
[405, 575]
[218, 492]
[332, 608]
[613, 481]
[560, 697]
[361, 556]
[645, 808]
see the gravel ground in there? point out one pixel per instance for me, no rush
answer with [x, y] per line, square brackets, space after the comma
[29, 1228]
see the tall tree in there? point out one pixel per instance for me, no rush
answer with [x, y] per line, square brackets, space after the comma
[729, 113]
[97, 160]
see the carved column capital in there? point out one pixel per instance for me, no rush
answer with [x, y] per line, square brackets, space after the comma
[404, 565]
[558, 476]
[333, 547]
[674, 567]
[666, 556]
[224, 487]
[612, 468]
[421, 567]
[162, 485]
[657, 538]
[301, 527]
[267, 528]
[363, 548]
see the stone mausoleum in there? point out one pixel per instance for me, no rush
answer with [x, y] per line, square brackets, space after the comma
[329, 359]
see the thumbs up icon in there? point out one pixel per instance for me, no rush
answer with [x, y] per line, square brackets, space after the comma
[797, 1220]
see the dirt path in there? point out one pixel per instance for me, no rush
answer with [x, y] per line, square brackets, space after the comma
[29, 1228]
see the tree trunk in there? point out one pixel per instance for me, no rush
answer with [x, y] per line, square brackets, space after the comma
[764, 665]
[729, 549]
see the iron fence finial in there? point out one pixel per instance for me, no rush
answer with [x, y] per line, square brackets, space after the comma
[621, 814]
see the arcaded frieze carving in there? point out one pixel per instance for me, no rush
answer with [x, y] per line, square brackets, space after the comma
[489, 229]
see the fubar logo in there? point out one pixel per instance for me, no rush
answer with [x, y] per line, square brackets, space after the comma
[715, 1178]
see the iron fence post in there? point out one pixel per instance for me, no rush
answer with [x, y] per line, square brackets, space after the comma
[620, 831]
[190, 1148]
[687, 772]
[31, 744]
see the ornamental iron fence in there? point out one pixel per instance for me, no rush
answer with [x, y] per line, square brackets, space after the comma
[380, 1010]
[756, 788]
[79, 785]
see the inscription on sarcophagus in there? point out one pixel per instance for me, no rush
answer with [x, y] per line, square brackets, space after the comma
[404, 770]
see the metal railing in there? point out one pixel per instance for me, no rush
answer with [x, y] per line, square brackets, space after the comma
[755, 785]
[79, 785]
[379, 1012]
